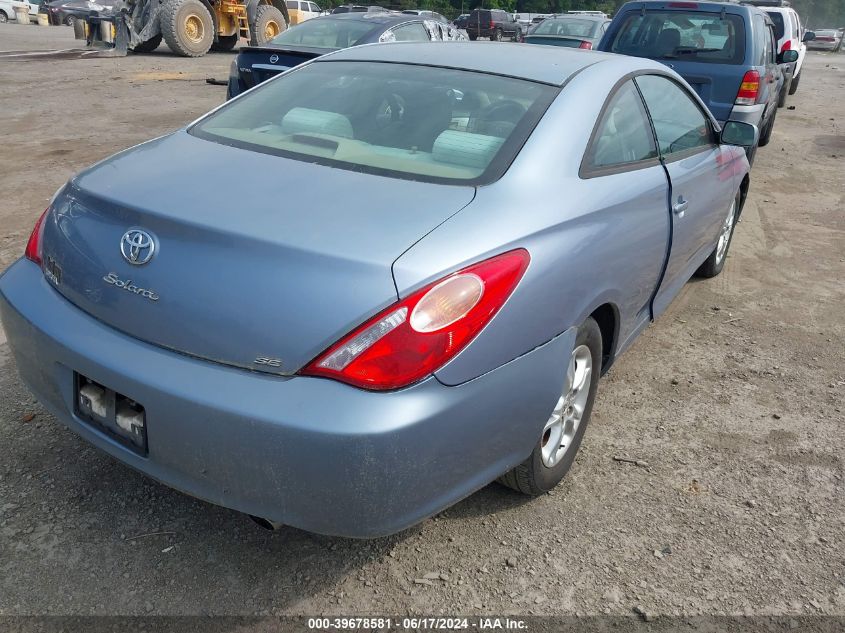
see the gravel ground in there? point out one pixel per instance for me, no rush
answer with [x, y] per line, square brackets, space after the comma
[733, 401]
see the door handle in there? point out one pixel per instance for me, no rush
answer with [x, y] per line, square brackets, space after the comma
[679, 208]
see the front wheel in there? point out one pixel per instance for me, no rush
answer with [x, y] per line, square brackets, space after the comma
[561, 436]
[69, 20]
[713, 265]
[187, 27]
[3, 17]
[766, 136]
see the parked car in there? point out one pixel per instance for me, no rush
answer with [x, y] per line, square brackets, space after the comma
[461, 21]
[302, 10]
[68, 11]
[826, 40]
[493, 23]
[726, 52]
[573, 31]
[791, 35]
[322, 35]
[322, 345]
[7, 10]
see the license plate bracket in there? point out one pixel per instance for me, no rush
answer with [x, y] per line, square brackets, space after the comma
[118, 416]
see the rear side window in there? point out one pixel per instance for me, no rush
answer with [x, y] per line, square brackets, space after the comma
[413, 32]
[780, 27]
[682, 35]
[623, 135]
[292, 4]
[404, 121]
[679, 123]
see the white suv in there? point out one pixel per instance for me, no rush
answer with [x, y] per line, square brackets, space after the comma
[790, 33]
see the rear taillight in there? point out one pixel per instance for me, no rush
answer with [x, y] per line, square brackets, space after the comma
[787, 45]
[748, 89]
[586, 45]
[33, 246]
[416, 336]
[492, 24]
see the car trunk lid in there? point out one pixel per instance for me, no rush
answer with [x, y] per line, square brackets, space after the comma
[260, 261]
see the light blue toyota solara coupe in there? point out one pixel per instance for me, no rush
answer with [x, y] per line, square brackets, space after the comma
[329, 303]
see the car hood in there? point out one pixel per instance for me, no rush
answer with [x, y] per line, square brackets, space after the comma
[256, 256]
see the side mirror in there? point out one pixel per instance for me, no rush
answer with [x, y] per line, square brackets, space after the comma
[739, 133]
[787, 57]
[809, 36]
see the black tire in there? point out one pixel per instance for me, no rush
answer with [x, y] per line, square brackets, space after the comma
[69, 21]
[712, 266]
[793, 87]
[766, 135]
[782, 96]
[3, 17]
[517, 37]
[497, 35]
[149, 46]
[472, 37]
[175, 18]
[533, 477]
[265, 15]
[225, 43]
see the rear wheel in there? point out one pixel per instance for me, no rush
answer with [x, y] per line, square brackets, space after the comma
[497, 35]
[561, 436]
[149, 46]
[713, 265]
[766, 135]
[3, 17]
[269, 22]
[69, 20]
[225, 42]
[187, 27]
[793, 87]
[472, 37]
[783, 92]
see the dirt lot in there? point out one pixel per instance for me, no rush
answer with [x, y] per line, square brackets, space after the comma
[734, 399]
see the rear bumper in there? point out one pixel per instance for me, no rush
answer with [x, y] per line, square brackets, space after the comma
[308, 452]
[747, 114]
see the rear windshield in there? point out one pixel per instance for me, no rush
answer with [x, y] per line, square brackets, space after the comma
[326, 33]
[413, 122]
[567, 28]
[682, 35]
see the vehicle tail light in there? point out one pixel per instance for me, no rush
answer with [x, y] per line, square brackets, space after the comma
[33, 246]
[748, 89]
[417, 335]
[586, 45]
[787, 45]
[492, 24]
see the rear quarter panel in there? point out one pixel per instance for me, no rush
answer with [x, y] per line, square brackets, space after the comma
[590, 243]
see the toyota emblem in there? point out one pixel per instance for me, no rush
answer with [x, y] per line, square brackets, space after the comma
[137, 247]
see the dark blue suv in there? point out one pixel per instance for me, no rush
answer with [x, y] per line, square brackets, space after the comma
[725, 51]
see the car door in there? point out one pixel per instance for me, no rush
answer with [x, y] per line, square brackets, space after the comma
[700, 179]
[623, 164]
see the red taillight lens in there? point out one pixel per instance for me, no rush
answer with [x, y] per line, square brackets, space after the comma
[586, 45]
[33, 246]
[416, 336]
[492, 24]
[748, 89]
[787, 45]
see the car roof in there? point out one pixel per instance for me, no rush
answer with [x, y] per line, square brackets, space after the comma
[545, 64]
[376, 17]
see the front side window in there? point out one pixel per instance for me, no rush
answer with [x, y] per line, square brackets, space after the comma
[623, 134]
[326, 33]
[682, 35]
[404, 121]
[679, 123]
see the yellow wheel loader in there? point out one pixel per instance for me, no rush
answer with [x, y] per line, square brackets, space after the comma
[189, 27]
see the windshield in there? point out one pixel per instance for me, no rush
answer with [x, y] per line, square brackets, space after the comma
[415, 122]
[325, 33]
[685, 35]
[571, 28]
